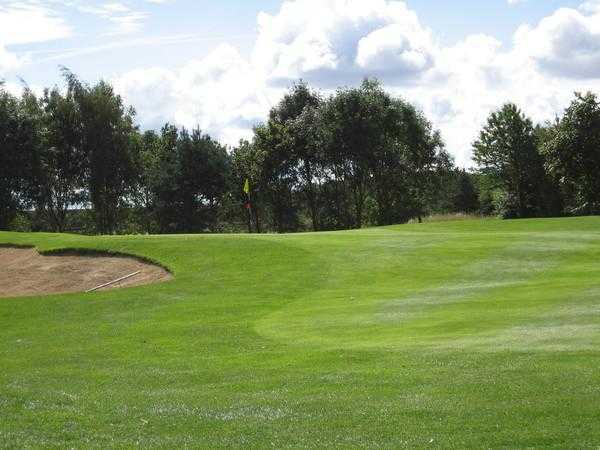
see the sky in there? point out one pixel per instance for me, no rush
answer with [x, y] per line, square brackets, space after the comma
[221, 65]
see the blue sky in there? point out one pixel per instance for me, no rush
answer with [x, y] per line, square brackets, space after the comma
[222, 65]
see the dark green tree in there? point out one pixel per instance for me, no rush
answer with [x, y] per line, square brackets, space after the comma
[107, 137]
[60, 163]
[203, 169]
[466, 198]
[182, 179]
[161, 175]
[382, 148]
[572, 151]
[290, 163]
[308, 139]
[15, 132]
[507, 152]
[247, 163]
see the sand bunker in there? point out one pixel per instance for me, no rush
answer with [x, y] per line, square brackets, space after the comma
[23, 271]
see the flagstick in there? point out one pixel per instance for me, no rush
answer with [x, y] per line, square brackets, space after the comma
[249, 208]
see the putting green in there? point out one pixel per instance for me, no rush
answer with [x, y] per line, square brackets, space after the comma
[450, 334]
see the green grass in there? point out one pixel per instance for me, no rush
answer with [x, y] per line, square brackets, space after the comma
[476, 333]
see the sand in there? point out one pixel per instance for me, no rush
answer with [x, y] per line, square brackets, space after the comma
[23, 271]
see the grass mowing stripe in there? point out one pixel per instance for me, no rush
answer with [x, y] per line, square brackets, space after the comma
[455, 335]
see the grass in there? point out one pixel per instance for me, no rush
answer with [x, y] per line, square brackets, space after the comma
[457, 334]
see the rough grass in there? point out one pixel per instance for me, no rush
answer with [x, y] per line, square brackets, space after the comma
[476, 333]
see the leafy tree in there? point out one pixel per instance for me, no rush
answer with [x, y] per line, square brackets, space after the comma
[202, 176]
[290, 163]
[572, 152]
[247, 163]
[466, 198]
[143, 154]
[278, 174]
[425, 157]
[182, 179]
[107, 137]
[352, 136]
[382, 147]
[14, 132]
[506, 151]
[308, 140]
[161, 174]
[59, 166]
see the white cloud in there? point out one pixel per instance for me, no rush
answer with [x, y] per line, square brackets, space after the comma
[220, 93]
[391, 49]
[567, 43]
[338, 42]
[24, 23]
[124, 19]
[8, 61]
[341, 41]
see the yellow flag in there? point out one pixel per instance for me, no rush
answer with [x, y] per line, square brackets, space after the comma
[247, 186]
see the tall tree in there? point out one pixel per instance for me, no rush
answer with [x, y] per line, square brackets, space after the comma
[107, 134]
[425, 157]
[60, 163]
[247, 164]
[161, 174]
[572, 151]
[384, 148]
[308, 141]
[183, 179]
[202, 175]
[14, 133]
[289, 164]
[506, 150]
[466, 197]
[352, 137]
[144, 152]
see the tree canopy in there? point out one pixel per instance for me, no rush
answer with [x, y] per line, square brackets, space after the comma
[74, 159]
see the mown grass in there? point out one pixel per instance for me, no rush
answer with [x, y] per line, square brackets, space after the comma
[460, 334]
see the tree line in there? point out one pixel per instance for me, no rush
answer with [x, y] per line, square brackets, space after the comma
[73, 159]
[543, 170]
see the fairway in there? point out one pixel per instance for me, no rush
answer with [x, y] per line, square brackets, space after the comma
[476, 333]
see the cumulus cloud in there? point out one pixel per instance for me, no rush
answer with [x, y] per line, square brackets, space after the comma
[567, 43]
[333, 41]
[25, 23]
[220, 93]
[338, 42]
[8, 61]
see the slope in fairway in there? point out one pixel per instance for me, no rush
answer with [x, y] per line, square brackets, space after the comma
[457, 334]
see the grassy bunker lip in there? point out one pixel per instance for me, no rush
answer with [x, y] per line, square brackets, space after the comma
[29, 272]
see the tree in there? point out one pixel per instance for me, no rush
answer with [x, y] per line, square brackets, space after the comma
[290, 163]
[247, 164]
[572, 151]
[144, 152]
[308, 141]
[182, 179]
[506, 151]
[203, 170]
[466, 198]
[161, 174]
[278, 174]
[353, 134]
[107, 137]
[382, 148]
[14, 133]
[59, 166]
[425, 157]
